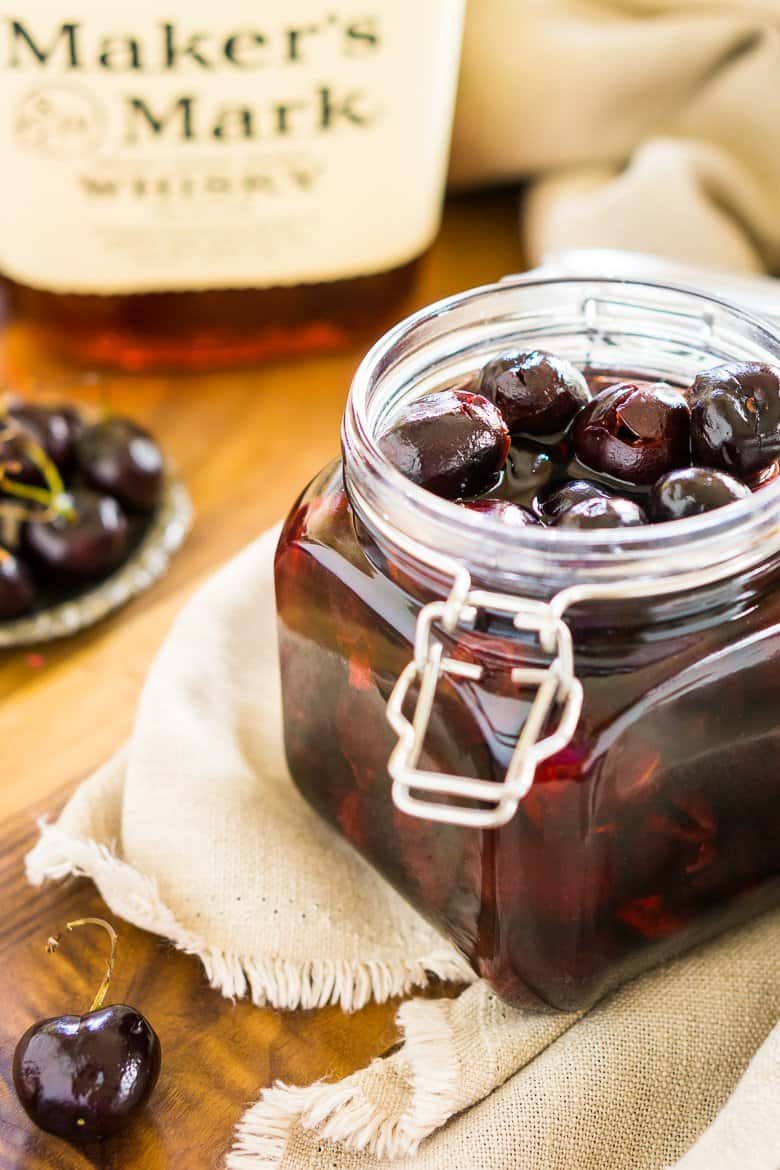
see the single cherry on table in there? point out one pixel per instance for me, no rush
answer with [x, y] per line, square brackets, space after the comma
[85, 1077]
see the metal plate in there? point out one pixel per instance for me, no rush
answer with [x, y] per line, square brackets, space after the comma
[147, 563]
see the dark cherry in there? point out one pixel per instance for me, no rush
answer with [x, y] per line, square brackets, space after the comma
[553, 505]
[17, 588]
[515, 515]
[735, 418]
[84, 1077]
[91, 537]
[536, 392]
[603, 512]
[634, 431]
[53, 428]
[15, 460]
[24, 427]
[451, 442]
[119, 457]
[691, 491]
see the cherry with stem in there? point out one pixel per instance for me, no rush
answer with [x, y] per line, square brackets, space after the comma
[85, 1077]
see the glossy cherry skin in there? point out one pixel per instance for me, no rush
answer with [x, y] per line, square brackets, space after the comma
[691, 491]
[17, 588]
[603, 512]
[55, 429]
[119, 457]
[634, 431]
[16, 463]
[553, 505]
[52, 429]
[451, 442]
[513, 515]
[84, 1077]
[735, 418]
[536, 392]
[89, 545]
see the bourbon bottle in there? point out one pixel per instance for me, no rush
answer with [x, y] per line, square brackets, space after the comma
[202, 183]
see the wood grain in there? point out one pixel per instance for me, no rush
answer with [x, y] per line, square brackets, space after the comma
[246, 442]
[216, 1055]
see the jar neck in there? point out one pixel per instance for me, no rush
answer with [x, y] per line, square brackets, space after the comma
[663, 331]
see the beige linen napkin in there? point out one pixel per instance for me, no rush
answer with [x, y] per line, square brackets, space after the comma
[195, 831]
[644, 124]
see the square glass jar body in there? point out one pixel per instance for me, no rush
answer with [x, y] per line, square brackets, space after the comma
[655, 827]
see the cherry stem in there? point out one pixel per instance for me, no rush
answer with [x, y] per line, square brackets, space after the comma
[25, 491]
[54, 942]
[53, 496]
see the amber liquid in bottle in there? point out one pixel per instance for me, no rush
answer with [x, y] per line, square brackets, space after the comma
[216, 328]
[220, 184]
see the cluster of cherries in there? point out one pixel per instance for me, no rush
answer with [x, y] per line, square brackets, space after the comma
[532, 441]
[74, 498]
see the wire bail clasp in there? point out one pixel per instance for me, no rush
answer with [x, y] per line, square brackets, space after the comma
[556, 685]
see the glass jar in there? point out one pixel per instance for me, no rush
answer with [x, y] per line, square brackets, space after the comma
[561, 746]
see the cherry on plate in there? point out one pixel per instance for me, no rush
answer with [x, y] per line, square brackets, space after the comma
[575, 491]
[452, 442]
[15, 461]
[54, 428]
[603, 512]
[735, 418]
[536, 392]
[89, 537]
[120, 458]
[85, 1077]
[513, 515]
[634, 431]
[17, 588]
[693, 490]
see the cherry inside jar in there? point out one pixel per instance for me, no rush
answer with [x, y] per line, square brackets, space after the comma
[654, 825]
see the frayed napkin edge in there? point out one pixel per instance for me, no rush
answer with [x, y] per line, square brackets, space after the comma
[277, 982]
[343, 1114]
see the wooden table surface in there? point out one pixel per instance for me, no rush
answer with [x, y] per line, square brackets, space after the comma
[246, 442]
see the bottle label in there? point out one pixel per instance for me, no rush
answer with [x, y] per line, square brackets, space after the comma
[239, 144]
